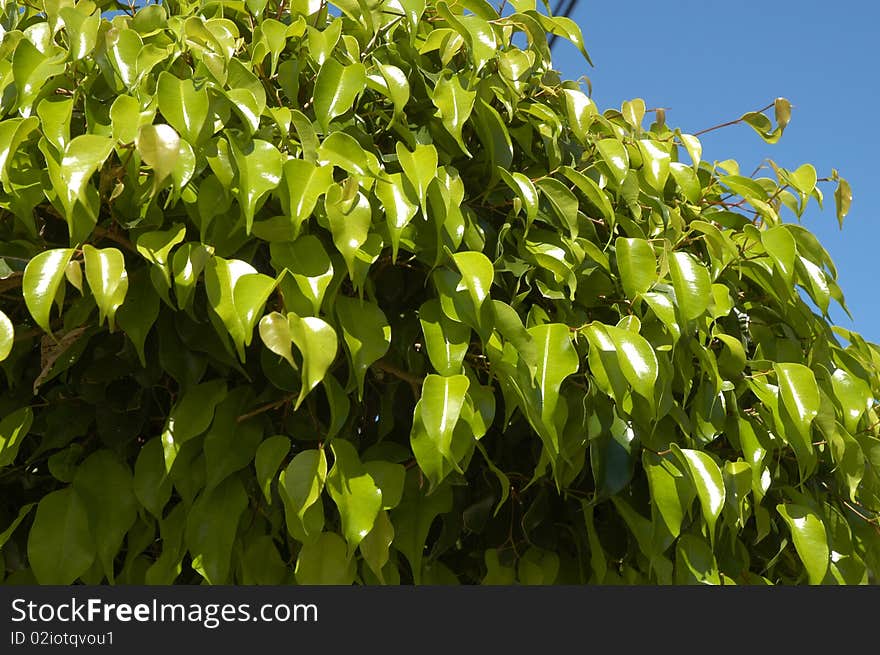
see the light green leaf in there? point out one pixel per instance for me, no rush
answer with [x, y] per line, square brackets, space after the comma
[563, 202]
[342, 150]
[810, 539]
[842, 200]
[366, 333]
[185, 107]
[159, 147]
[581, 111]
[637, 265]
[523, 187]
[317, 342]
[708, 480]
[376, 545]
[60, 545]
[454, 105]
[308, 264]
[7, 336]
[419, 167]
[399, 208]
[236, 295]
[446, 340]
[259, 171]
[187, 265]
[397, 87]
[336, 88]
[671, 492]
[692, 283]
[477, 275]
[355, 493]
[592, 192]
[350, 221]
[300, 486]
[635, 359]
[800, 397]
[615, 156]
[781, 247]
[556, 360]
[303, 183]
[43, 276]
[853, 395]
[655, 163]
[440, 406]
[325, 562]
[105, 272]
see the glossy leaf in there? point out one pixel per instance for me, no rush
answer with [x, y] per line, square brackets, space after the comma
[105, 272]
[366, 333]
[42, 280]
[355, 493]
[810, 539]
[336, 88]
[317, 343]
[693, 286]
[708, 481]
[637, 265]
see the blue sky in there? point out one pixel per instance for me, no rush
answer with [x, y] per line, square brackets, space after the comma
[710, 62]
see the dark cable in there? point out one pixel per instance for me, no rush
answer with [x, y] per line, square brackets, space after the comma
[566, 13]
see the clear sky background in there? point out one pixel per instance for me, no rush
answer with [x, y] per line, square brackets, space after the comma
[710, 62]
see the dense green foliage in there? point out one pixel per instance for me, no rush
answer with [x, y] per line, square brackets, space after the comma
[367, 293]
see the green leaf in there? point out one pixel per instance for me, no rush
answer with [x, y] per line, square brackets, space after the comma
[581, 111]
[185, 106]
[14, 427]
[446, 340]
[477, 274]
[317, 342]
[615, 156]
[526, 191]
[419, 167]
[399, 208]
[105, 486]
[366, 333]
[375, 547]
[708, 481]
[810, 539]
[269, 457]
[138, 313]
[592, 192]
[563, 202]
[259, 171]
[211, 527]
[43, 276]
[440, 406]
[413, 518]
[7, 336]
[325, 562]
[556, 359]
[300, 486]
[355, 493]
[309, 266]
[190, 416]
[781, 247]
[336, 88]
[151, 484]
[842, 200]
[800, 397]
[634, 359]
[694, 562]
[853, 395]
[350, 221]
[655, 163]
[60, 545]
[105, 272]
[397, 87]
[10, 529]
[159, 147]
[343, 150]
[693, 286]
[237, 294]
[637, 265]
[671, 492]
[454, 105]
[303, 183]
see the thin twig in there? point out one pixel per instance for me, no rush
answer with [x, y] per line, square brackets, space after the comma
[266, 408]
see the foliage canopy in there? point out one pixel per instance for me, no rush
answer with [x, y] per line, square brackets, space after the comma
[365, 292]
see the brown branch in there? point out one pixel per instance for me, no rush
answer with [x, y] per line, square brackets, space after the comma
[266, 408]
[104, 233]
[729, 123]
[414, 381]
